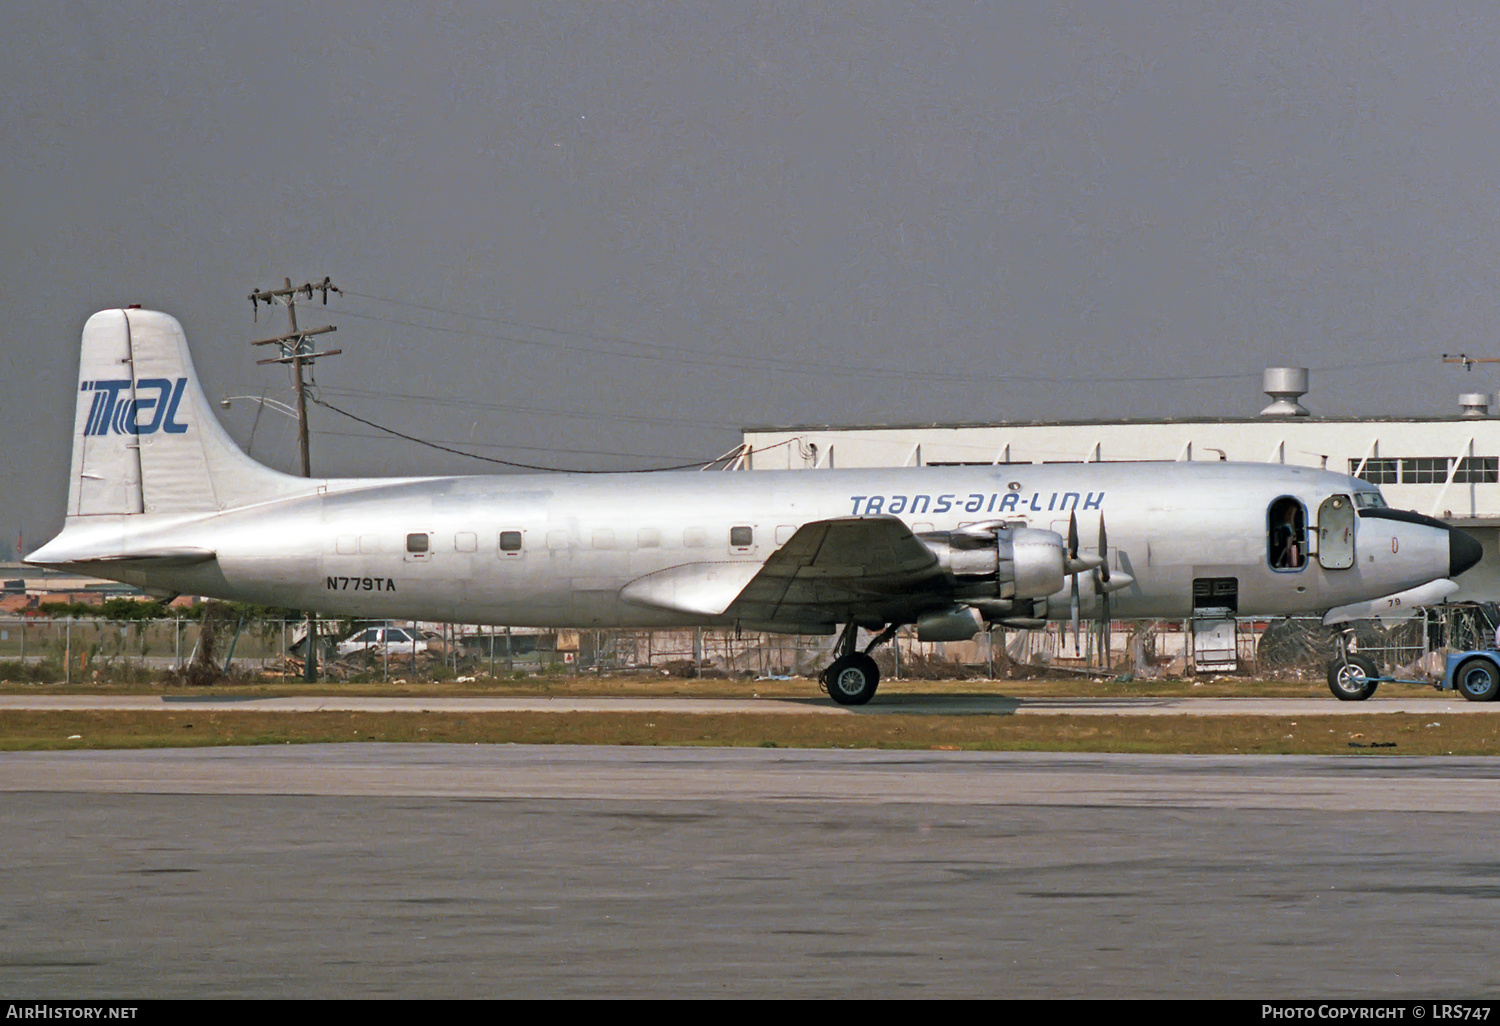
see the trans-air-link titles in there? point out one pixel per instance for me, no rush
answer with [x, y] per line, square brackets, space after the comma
[976, 502]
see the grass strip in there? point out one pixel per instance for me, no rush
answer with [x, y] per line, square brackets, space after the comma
[1375, 733]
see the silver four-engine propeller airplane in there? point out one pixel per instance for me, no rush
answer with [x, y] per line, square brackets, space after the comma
[161, 497]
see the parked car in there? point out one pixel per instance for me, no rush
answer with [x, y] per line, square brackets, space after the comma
[396, 640]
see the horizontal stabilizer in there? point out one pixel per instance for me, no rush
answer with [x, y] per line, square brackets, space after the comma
[55, 555]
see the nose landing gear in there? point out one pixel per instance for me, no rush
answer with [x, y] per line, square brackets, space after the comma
[1352, 678]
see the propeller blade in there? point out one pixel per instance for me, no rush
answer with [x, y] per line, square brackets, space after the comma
[1075, 567]
[1104, 629]
[1103, 551]
[1073, 612]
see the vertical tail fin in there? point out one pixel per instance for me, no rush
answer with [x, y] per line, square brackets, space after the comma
[145, 436]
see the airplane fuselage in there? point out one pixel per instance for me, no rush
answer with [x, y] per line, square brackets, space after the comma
[558, 550]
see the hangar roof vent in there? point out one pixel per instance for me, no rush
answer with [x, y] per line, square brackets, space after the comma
[1285, 385]
[1475, 404]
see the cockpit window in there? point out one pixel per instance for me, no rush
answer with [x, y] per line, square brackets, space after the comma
[1369, 500]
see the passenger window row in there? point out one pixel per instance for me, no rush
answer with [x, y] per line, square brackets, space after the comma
[741, 538]
[419, 544]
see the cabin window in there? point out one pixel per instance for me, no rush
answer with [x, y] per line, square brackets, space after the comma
[1286, 540]
[465, 541]
[648, 538]
[741, 537]
[416, 543]
[510, 541]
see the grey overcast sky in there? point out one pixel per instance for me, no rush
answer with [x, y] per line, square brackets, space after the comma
[606, 235]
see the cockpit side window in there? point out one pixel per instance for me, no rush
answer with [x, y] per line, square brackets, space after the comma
[1286, 536]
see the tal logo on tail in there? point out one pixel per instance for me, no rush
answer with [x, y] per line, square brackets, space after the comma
[149, 407]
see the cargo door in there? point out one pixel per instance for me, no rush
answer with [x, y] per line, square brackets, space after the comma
[1215, 604]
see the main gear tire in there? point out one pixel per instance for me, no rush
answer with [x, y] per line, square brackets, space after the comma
[852, 679]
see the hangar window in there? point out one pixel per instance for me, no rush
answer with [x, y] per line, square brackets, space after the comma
[1425, 469]
[1377, 471]
[1286, 522]
[1477, 470]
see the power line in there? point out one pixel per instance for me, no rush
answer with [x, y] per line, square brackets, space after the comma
[738, 452]
[509, 446]
[441, 400]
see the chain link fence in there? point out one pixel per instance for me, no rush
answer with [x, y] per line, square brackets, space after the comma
[223, 643]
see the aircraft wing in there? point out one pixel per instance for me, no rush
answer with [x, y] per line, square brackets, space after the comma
[867, 567]
[833, 570]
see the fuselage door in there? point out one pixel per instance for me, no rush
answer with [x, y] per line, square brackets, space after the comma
[1336, 533]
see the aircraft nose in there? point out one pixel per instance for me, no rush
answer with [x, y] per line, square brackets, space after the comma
[1463, 552]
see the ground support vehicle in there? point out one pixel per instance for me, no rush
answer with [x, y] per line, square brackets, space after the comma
[1474, 674]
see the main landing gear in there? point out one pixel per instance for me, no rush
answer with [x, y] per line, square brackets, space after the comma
[852, 677]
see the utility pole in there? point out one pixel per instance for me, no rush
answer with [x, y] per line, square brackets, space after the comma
[296, 347]
[1467, 360]
[297, 350]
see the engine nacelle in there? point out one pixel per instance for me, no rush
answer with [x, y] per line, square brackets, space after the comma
[1038, 561]
[957, 624]
[1001, 562]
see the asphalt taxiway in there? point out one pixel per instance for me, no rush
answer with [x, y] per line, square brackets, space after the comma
[506, 870]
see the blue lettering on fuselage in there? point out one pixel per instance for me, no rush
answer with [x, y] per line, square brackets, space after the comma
[974, 502]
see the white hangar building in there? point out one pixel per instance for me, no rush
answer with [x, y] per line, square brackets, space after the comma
[1445, 466]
